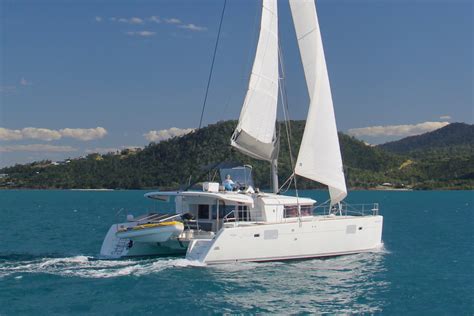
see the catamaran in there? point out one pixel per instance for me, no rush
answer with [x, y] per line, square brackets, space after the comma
[216, 225]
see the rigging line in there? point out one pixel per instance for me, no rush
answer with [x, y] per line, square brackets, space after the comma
[212, 64]
[245, 78]
[190, 184]
[286, 112]
[286, 116]
[287, 183]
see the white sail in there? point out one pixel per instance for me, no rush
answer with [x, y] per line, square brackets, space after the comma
[255, 132]
[319, 158]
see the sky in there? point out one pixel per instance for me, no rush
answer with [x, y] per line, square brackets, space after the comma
[83, 76]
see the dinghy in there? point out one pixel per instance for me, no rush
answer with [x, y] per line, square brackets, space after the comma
[153, 232]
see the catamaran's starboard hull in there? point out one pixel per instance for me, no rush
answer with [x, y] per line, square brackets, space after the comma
[317, 237]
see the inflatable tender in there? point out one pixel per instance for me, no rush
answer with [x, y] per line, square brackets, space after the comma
[151, 232]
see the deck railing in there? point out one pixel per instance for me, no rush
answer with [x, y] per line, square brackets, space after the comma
[347, 209]
[226, 218]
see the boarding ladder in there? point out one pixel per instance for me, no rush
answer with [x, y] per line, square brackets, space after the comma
[120, 246]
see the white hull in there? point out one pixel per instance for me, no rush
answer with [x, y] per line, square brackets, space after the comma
[319, 236]
[152, 235]
[116, 247]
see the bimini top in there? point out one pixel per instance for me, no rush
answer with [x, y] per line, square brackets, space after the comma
[224, 196]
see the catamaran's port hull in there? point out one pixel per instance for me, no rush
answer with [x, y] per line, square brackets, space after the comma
[152, 235]
[169, 248]
[116, 247]
[311, 238]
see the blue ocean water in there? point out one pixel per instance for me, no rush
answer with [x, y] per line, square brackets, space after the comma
[50, 240]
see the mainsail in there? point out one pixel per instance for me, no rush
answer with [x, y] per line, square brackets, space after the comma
[255, 133]
[319, 158]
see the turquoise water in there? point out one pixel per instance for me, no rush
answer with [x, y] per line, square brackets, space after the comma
[49, 264]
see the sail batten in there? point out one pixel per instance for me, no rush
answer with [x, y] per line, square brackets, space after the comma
[319, 158]
[255, 132]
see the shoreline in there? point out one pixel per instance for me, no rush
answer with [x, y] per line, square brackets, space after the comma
[165, 189]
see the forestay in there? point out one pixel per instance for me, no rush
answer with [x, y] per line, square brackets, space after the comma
[319, 158]
[255, 132]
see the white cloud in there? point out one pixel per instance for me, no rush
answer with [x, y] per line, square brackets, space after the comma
[445, 117]
[141, 33]
[40, 133]
[172, 21]
[192, 27]
[84, 133]
[25, 82]
[98, 19]
[154, 18]
[133, 20]
[164, 134]
[9, 134]
[397, 130]
[46, 134]
[142, 20]
[37, 148]
[146, 33]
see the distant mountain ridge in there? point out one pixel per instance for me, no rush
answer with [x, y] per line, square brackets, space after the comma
[452, 135]
[178, 161]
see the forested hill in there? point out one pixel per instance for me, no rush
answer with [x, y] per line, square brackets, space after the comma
[172, 163]
[455, 135]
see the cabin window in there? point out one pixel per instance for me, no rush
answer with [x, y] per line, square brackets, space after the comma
[224, 210]
[306, 210]
[203, 211]
[292, 210]
[244, 214]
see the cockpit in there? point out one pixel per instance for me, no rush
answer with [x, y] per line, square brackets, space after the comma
[236, 178]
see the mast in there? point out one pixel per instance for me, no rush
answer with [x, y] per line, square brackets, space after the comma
[274, 167]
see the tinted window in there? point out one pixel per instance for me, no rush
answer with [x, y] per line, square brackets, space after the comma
[244, 214]
[306, 210]
[203, 211]
[223, 211]
[292, 210]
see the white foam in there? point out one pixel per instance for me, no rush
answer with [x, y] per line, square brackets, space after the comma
[88, 267]
[64, 261]
[188, 263]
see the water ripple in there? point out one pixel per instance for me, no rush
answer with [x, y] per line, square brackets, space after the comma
[345, 284]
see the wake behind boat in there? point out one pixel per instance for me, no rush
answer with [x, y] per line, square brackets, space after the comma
[231, 221]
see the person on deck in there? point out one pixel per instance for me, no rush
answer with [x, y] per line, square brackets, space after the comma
[228, 183]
